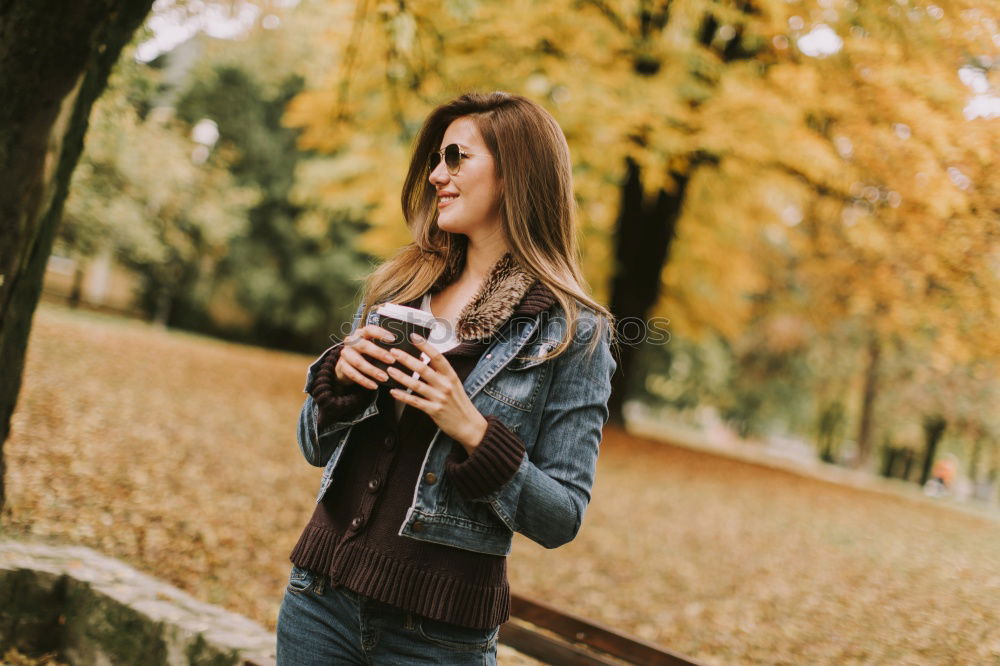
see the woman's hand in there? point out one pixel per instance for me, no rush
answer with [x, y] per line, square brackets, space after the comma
[353, 366]
[438, 392]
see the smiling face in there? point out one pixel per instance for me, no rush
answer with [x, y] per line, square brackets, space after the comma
[468, 202]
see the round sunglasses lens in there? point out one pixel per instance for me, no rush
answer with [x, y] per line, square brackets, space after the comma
[452, 157]
[432, 161]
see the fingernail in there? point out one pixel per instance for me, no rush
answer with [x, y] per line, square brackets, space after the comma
[416, 338]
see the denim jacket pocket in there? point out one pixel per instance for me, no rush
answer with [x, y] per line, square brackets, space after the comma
[475, 515]
[520, 382]
[532, 354]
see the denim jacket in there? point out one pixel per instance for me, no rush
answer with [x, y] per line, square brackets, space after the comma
[558, 407]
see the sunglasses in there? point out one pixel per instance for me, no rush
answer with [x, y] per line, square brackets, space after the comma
[453, 156]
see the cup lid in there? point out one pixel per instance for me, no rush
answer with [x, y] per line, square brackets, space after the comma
[407, 314]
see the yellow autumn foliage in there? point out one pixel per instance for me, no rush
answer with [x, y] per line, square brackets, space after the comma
[857, 166]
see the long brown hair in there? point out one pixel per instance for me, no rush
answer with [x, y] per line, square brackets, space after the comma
[537, 208]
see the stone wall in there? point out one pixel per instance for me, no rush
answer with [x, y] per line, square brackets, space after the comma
[96, 611]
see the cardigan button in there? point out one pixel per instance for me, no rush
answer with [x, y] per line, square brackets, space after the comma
[390, 442]
[356, 523]
[431, 478]
[418, 526]
[374, 484]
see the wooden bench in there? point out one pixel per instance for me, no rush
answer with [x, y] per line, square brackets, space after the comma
[559, 638]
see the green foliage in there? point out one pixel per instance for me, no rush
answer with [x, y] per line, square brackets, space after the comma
[230, 221]
[294, 268]
[139, 190]
[265, 152]
[756, 389]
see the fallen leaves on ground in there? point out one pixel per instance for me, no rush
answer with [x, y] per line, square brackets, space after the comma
[177, 454]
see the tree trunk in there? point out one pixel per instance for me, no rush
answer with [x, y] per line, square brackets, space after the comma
[890, 454]
[977, 449]
[76, 290]
[55, 58]
[164, 300]
[868, 402]
[831, 422]
[907, 465]
[933, 430]
[643, 235]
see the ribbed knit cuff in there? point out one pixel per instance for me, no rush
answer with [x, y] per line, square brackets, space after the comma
[336, 401]
[492, 464]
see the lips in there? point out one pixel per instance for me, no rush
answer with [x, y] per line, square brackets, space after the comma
[446, 199]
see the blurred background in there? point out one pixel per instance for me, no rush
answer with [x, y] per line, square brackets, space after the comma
[798, 192]
[802, 194]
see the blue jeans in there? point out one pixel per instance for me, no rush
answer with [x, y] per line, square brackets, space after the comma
[318, 626]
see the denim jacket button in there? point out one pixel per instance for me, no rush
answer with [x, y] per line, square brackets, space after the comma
[431, 478]
[418, 526]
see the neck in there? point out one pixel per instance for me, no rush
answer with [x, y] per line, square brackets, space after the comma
[480, 257]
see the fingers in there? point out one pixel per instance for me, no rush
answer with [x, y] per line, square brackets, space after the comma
[369, 332]
[353, 363]
[364, 343]
[352, 373]
[357, 361]
[437, 360]
[413, 363]
[357, 368]
[423, 405]
[411, 382]
[435, 370]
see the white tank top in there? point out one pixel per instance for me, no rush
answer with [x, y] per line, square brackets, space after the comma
[443, 338]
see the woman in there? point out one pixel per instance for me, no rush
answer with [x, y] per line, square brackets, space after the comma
[404, 558]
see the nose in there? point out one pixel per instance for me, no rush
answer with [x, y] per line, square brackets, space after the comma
[439, 176]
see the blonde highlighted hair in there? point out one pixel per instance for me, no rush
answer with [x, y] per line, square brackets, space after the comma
[537, 208]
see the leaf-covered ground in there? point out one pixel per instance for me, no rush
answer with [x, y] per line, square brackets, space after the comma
[177, 454]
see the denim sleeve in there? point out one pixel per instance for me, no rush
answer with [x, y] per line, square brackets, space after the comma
[316, 441]
[548, 495]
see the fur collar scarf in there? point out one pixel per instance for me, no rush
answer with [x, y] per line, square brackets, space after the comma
[507, 289]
